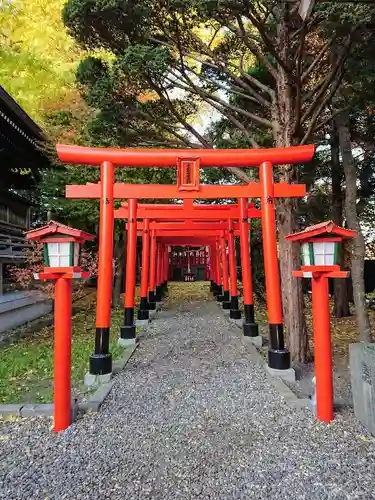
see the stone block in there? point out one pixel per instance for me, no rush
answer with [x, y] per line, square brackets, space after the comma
[238, 322]
[127, 342]
[11, 409]
[362, 374]
[96, 399]
[142, 322]
[120, 364]
[91, 380]
[45, 410]
[289, 375]
[257, 341]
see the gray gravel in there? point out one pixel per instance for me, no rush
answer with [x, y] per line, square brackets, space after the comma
[192, 416]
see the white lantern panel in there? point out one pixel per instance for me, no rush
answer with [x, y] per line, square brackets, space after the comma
[305, 254]
[59, 254]
[324, 253]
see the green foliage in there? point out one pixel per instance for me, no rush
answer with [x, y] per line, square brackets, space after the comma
[139, 61]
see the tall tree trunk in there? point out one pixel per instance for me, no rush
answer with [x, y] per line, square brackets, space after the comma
[283, 125]
[341, 305]
[358, 244]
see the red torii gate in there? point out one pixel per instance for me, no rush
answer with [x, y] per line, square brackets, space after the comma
[183, 233]
[188, 163]
[190, 229]
[207, 213]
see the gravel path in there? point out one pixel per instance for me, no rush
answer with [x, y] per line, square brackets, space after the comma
[191, 417]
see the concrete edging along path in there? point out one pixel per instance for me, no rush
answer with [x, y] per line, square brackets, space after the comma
[289, 396]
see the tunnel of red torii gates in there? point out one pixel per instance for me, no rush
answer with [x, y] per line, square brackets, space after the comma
[163, 226]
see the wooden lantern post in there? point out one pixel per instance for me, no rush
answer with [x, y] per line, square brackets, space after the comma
[320, 261]
[62, 246]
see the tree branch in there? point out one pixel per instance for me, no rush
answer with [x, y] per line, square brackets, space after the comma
[221, 66]
[237, 124]
[322, 105]
[207, 97]
[328, 80]
[315, 62]
[313, 91]
[298, 100]
[240, 174]
[233, 89]
[328, 119]
[254, 49]
[261, 27]
[183, 122]
[148, 116]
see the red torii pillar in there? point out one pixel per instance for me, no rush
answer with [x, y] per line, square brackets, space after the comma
[143, 313]
[235, 313]
[206, 269]
[224, 266]
[166, 268]
[151, 289]
[218, 289]
[218, 292]
[250, 328]
[210, 270]
[211, 267]
[128, 330]
[278, 354]
[101, 360]
[163, 277]
[159, 264]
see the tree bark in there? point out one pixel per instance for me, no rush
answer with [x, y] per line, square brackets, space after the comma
[283, 130]
[341, 301]
[358, 244]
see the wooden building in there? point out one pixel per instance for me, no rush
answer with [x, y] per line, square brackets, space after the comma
[21, 162]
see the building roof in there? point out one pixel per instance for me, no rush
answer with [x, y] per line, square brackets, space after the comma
[21, 155]
[57, 228]
[322, 229]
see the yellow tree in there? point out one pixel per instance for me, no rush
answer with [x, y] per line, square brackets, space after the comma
[38, 59]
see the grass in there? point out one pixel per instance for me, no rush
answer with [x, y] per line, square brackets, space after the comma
[26, 368]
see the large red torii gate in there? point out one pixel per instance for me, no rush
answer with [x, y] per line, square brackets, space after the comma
[188, 162]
